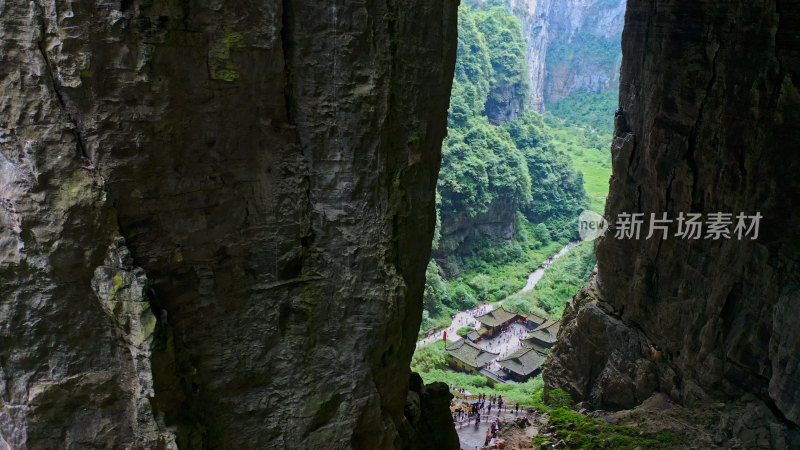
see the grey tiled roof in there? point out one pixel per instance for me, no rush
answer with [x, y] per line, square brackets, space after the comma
[524, 361]
[496, 317]
[470, 353]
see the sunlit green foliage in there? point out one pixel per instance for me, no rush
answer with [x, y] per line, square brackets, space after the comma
[473, 73]
[557, 190]
[503, 33]
[429, 357]
[527, 393]
[590, 153]
[463, 331]
[435, 295]
[561, 281]
[523, 165]
[557, 398]
[481, 164]
[588, 108]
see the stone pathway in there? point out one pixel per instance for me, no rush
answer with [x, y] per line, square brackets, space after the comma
[504, 343]
[462, 319]
[473, 436]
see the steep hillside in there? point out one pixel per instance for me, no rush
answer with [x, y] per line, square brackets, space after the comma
[508, 196]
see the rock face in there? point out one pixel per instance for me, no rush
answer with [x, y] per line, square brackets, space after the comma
[257, 159]
[583, 48]
[428, 423]
[505, 103]
[535, 26]
[499, 222]
[552, 29]
[707, 123]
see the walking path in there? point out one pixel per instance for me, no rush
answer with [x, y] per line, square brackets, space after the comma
[473, 435]
[462, 319]
[537, 274]
[467, 318]
[505, 343]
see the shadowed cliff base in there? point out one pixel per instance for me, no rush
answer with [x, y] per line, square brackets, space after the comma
[708, 122]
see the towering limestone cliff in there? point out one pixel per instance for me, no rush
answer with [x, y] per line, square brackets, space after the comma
[708, 123]
[215, 219]
[583, 54]
[573, 46]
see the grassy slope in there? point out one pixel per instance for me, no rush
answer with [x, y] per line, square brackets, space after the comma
[595, 164]
[511, 276]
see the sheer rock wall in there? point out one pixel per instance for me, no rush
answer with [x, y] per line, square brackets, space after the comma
[545, 22]
[708, 122]
[271, 167]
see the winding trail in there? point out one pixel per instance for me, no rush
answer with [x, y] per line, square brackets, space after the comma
[467, 318]
[537, 274]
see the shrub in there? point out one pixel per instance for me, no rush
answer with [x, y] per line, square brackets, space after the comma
[579, 431]
[557, 398]
[429, 357]
[463, 331]
[463, 298]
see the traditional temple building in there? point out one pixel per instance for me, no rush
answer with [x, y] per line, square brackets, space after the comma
[522, 364]
[533, 321]
[495, 320]
[544, 336]
[473, 336]
[467, 356]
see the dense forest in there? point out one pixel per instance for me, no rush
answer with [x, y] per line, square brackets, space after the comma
[512, 182]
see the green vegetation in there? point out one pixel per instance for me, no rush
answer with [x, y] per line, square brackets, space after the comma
[490, 169]
[590, 153]
[514, 164]
[579, 431]
[561, 281]
[497, 270]
[557, 190]
[527, 393]
[481, 164]
[429, 362]
[503, 33]
[588, 108]
[588, 147]
[463, 331]
[536, 171]
[557, 398]
[429, 357]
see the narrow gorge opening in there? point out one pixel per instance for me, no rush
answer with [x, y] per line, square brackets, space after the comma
[650, 336]
[528, 150]
[235, 255]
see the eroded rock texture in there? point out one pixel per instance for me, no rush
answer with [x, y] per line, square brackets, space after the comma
[271, 166]
[708, 122]
[571, 24]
